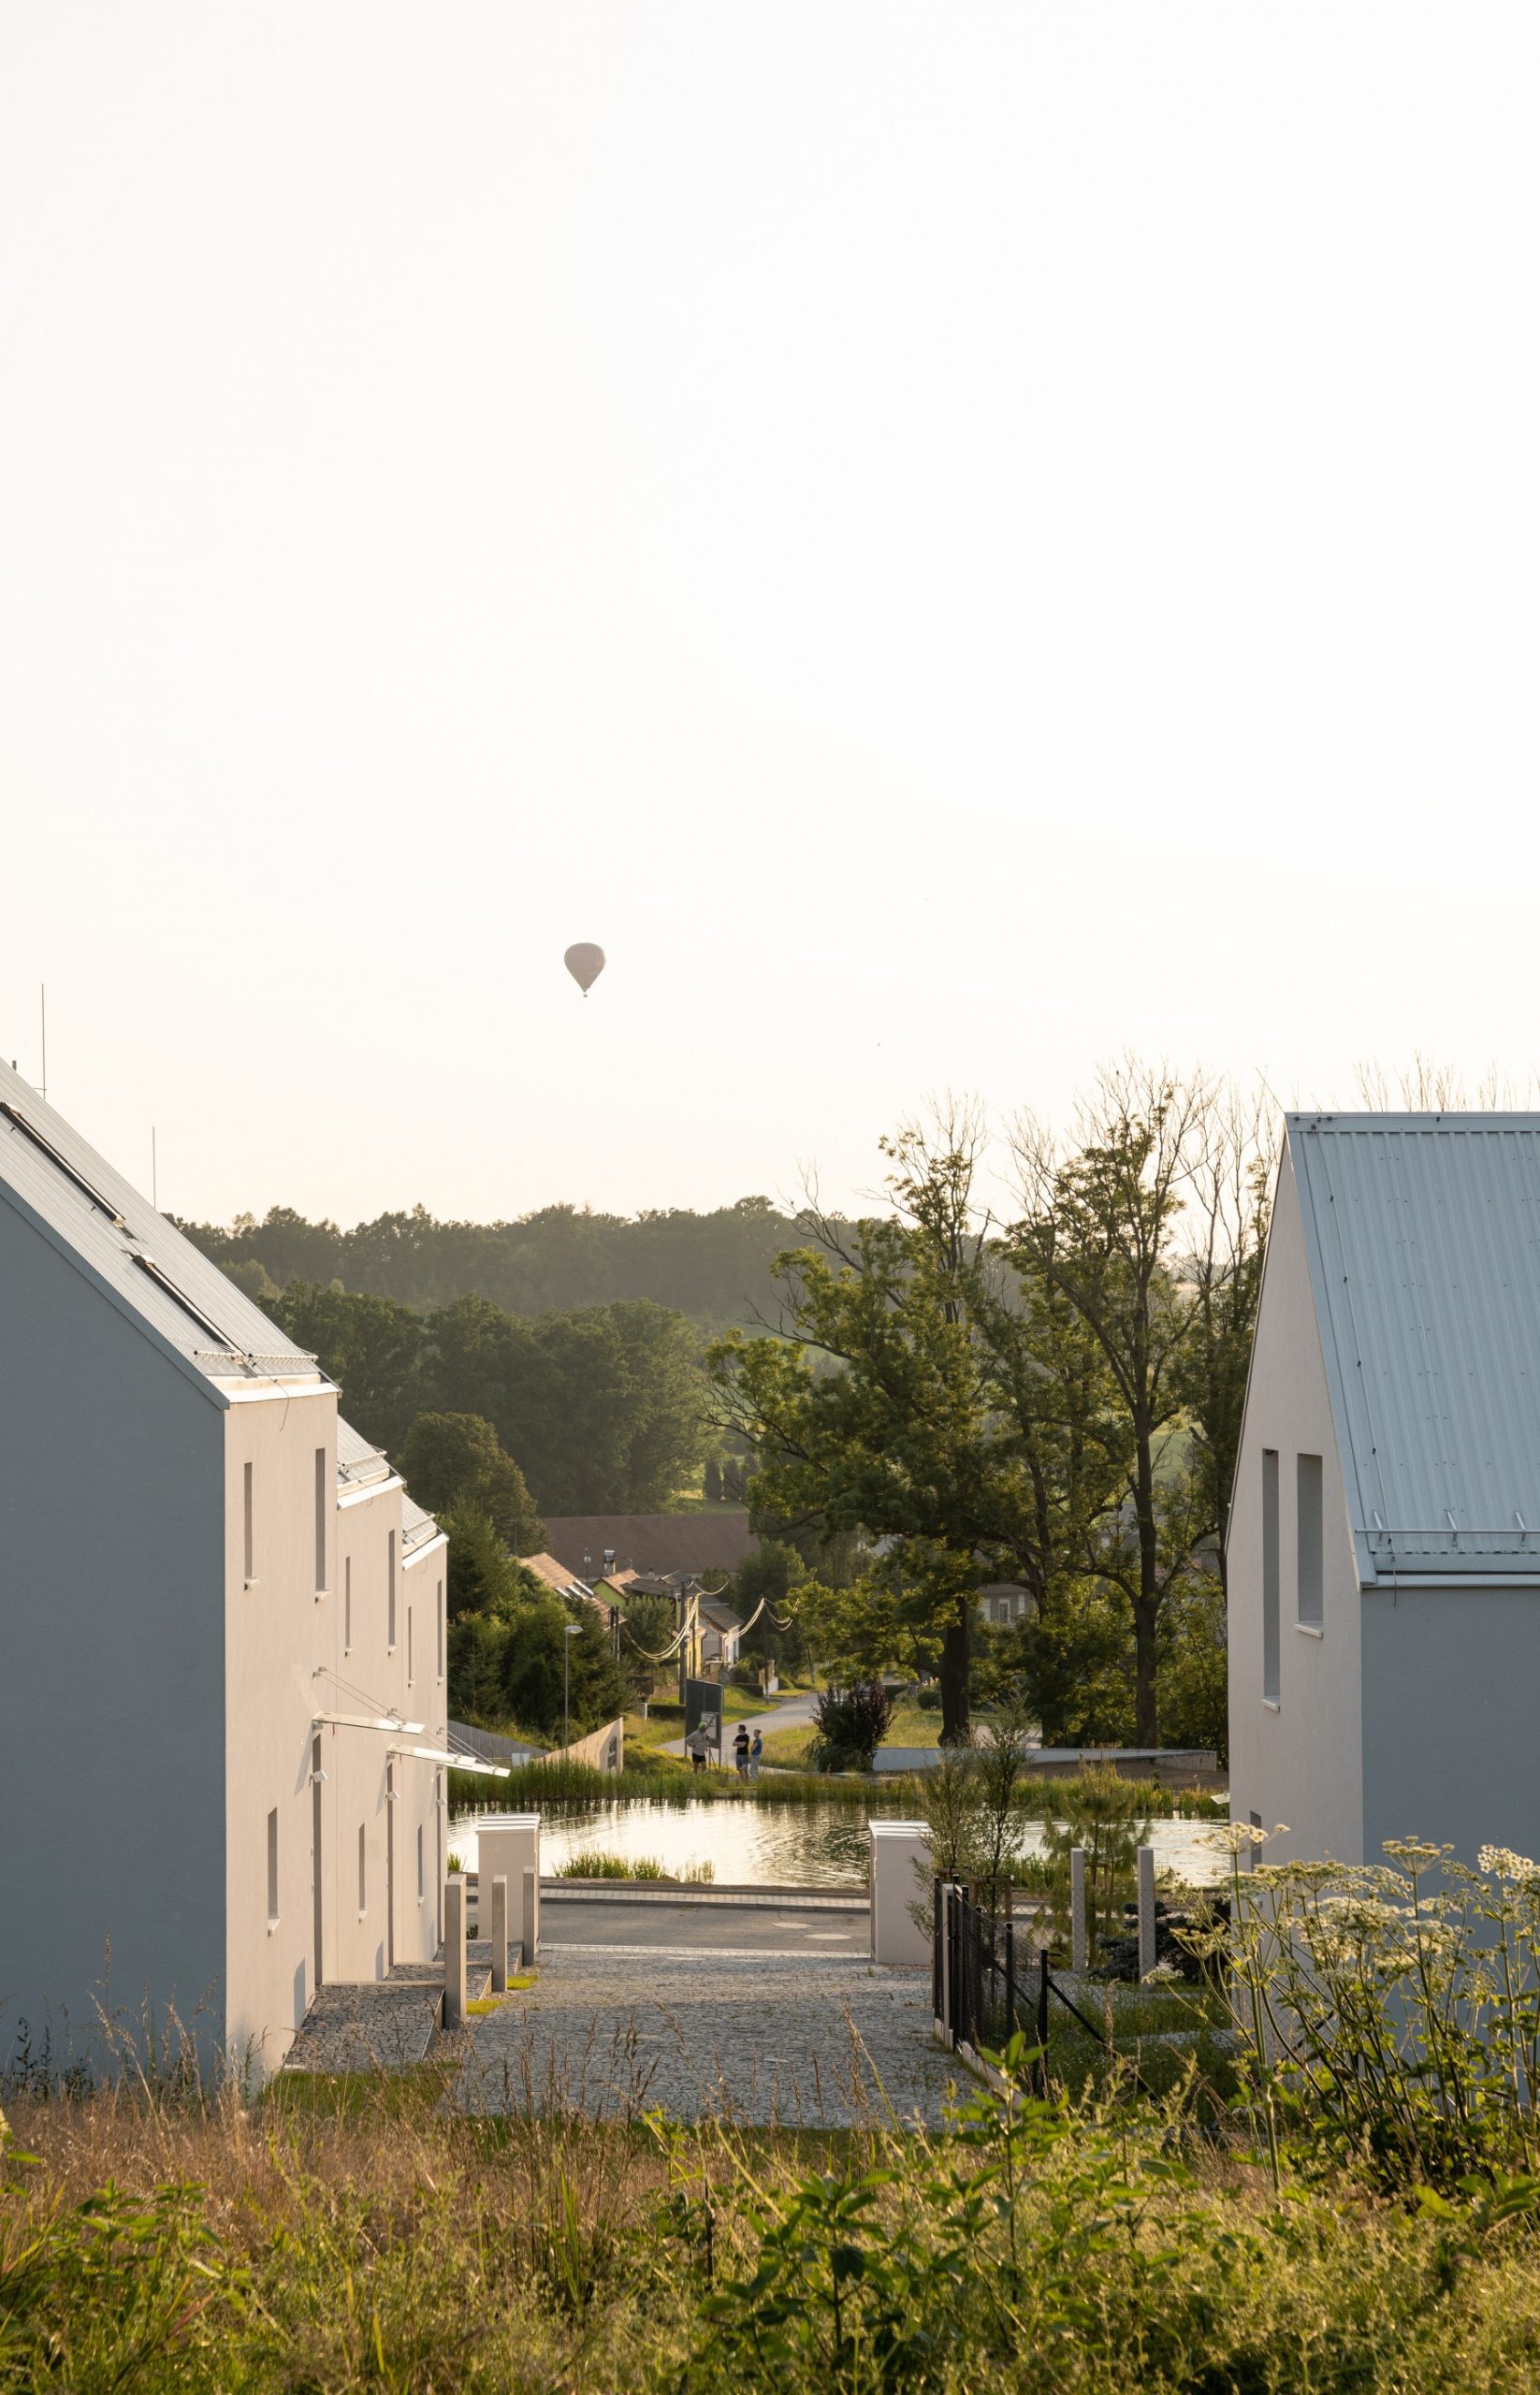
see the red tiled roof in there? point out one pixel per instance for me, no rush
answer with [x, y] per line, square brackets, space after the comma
[651, 1543]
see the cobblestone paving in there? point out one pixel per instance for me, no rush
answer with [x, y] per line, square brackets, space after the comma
[797, 2039]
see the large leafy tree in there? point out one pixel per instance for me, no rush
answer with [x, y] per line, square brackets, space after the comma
[372, 1348]
[903, 1402]
[603, 1408]
[456, 1460]
[1105, 1230]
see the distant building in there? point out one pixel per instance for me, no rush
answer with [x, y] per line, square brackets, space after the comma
[223, 1715]
[1384, 1544]
[595, 1546]
[1003, 1603]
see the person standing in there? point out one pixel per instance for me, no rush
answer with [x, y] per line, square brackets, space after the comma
[756, 1748]
[740, 1750]
[695, 1747]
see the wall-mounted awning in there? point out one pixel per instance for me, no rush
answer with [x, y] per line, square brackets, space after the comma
[370, 1721]
[460, 1762]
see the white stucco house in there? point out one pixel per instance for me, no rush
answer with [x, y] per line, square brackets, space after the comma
[1384, 1544]
[222, 1701]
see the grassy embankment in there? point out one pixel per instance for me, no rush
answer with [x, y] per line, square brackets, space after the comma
[343, 2235]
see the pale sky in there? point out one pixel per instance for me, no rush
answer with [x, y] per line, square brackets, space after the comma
[952, 540]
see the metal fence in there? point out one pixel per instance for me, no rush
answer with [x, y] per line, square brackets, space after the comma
[987, 1983]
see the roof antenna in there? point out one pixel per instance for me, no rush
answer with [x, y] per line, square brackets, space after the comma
[42, 1013]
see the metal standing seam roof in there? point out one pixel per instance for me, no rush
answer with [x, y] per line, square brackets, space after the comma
[418, 1529]
[54, 1177]
[1423, 1234]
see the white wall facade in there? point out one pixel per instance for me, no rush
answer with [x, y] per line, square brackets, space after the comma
[297, 1651]
[1297, 1760]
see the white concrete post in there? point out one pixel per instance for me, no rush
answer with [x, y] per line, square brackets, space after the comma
[1079, 1943]
[454, 1953]
[500, 1935]
[508, 1845]
[895, 1848]
[530, 1916]
[1146, 1911]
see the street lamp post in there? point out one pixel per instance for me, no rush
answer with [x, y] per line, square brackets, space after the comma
[574, 1629]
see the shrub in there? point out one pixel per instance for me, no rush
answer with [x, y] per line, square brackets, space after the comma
[849, 1726]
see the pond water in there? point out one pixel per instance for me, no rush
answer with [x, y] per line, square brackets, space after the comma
[754, 1845]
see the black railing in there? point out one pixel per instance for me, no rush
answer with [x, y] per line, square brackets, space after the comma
[986, 1984]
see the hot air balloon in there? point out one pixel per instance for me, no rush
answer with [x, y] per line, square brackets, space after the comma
[585, 962]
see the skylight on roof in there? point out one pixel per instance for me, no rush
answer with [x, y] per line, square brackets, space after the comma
[179, 1296]
[45, 1147]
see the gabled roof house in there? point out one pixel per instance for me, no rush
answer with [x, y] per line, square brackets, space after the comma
[1384, 1546]
[222, 1714]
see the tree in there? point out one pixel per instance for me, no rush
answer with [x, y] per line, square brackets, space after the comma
[767, 1574]
[477, 1657]
[1099, 1230]
[603, 1408]
[927, 1396]
[371, 1347]
[1229, 1205]
[1194, 1667]
[536, 1660]
[455, 1462]
[646, 1631]
[713, 1481]
[482, 1576]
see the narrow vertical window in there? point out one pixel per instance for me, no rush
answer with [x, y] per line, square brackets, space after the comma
[1269, 1575]
[321, 1509]
[390, 1604]
[409, 1646]
[247, 1527]
[438, 1626]
[421, 1885]
[272, 1860]
[1312, 1576]
[363, 1891]
[347, 1604]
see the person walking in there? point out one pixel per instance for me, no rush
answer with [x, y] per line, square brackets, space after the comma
[756, 1748]
[740, 1750]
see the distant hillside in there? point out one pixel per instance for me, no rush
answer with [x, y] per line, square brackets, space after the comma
[713, 1267]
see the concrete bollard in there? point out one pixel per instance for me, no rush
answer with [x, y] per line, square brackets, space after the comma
[530, 1916]
[500, 1935]
[454, 1953]
[899, 1875]
[1146, 1911]
[1079, 1943]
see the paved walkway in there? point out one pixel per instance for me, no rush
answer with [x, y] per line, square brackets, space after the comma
[800, 2039]
[796, 1713]
[757, 1926]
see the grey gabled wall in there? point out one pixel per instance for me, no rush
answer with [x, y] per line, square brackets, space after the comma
[1451, 1718]
[111, 1660]
[1298, 1762]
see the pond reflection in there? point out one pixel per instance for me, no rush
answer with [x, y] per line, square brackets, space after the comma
[789, 1846]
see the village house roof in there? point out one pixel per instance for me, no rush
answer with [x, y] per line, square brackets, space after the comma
[134, 1255]
[651, 1543]
[556, 1575]
[1423, 1237]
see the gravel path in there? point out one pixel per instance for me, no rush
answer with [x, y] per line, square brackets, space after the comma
[798, 2039]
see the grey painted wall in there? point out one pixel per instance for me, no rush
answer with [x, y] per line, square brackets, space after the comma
[112, 1656]
[1298, 1762]
[1451, 1718]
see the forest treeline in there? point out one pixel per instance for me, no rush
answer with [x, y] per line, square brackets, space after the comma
[601, 1407]
[714, 1267]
